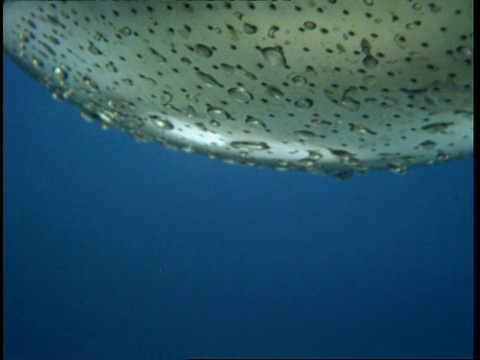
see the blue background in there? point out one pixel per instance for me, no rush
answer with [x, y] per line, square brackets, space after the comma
[123, 250]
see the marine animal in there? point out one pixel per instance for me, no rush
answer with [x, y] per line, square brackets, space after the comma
[328, 86]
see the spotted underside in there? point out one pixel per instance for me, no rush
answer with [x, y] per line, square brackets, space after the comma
[333, 87]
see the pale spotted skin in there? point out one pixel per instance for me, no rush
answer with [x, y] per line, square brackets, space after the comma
[331, 87]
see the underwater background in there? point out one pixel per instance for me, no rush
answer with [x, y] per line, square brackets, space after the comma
[122, 250]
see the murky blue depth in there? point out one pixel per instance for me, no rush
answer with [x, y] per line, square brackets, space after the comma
[121, 250]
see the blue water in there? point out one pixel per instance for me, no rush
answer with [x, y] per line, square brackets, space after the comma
[123, 250]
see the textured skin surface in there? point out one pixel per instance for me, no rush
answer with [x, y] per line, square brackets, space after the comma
[326, 86]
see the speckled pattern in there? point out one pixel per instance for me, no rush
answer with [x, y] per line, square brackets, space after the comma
[332, 87]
